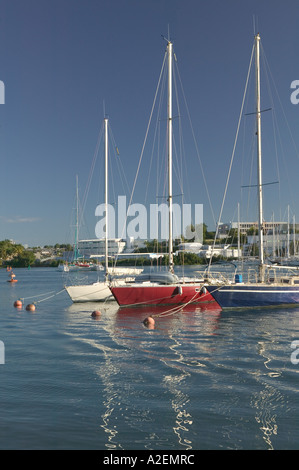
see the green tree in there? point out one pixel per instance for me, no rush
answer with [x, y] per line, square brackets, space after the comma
[8, 250]
[24, 259]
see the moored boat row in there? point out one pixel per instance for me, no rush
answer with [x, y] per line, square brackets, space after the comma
[168, 289]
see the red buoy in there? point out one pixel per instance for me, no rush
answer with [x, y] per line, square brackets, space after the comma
[30, 307]
[18, 304]
[96, 313]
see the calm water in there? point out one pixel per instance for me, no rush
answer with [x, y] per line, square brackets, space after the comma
[202, 379]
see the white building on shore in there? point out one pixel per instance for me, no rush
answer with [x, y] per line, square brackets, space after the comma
[206, 251]
[96, 247]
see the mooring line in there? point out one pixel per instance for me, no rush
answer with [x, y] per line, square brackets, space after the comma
[174, 309]
[39, 295]
[50, 297]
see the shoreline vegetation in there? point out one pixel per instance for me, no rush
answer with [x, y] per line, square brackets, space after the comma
[15, 255]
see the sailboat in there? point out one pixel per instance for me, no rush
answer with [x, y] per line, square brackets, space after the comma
[97, 291]
[271, 289]
[78, 263]
[162, 288]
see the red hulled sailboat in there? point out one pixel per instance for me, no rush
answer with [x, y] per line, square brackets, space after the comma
[163, 288]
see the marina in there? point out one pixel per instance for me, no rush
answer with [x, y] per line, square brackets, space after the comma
[165, 322]
[201, 379]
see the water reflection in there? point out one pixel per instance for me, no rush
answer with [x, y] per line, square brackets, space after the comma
[111, 400]
[267, 399]
[263, 401]
[166, 345]
[168, 317]
[189, 382]
[137, 363]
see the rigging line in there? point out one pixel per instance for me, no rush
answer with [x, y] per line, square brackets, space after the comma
[247, 162]
[156, 136]
[274, 119]
[284, 115]
[176, 167]
[174, 195]
[262, 111]
[144, 142]
[252, 160]
[111, 181]
[256, 185]
[119, 161]
[161, 176]
[283, 111]
[233, 154]
[179, 171]
[100, 134]
[267, 72]
[178, 160]
[192, 130]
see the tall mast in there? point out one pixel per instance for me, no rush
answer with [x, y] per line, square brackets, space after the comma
[288, 234]
[106, 195]
[77, 221]
[169, 48]
[259, 158]
[294, 235]
[239, 241]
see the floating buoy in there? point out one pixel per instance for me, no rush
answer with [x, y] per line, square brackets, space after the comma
[12, 277]
[30, 307]
[96, 313]
[149, 321]
[18, 304]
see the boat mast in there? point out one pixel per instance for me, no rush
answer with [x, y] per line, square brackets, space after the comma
[294, 235]
[106, 196]
[77, 221]
[169, 48]
[288, 234]
[239, 241]
[259, 159]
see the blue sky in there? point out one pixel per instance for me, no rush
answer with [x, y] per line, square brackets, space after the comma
[64, 61]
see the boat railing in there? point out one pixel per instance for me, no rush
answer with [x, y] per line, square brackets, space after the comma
[252, 276]
[286, 275]
[218, 278]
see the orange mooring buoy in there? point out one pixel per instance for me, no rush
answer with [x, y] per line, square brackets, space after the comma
[12, 278]
[18, 304]
[30, 307]
[149, 322]
[96, 313]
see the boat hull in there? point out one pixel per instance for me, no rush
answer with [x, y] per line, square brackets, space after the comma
[96, 292]
[145, 295]
[247, 296]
